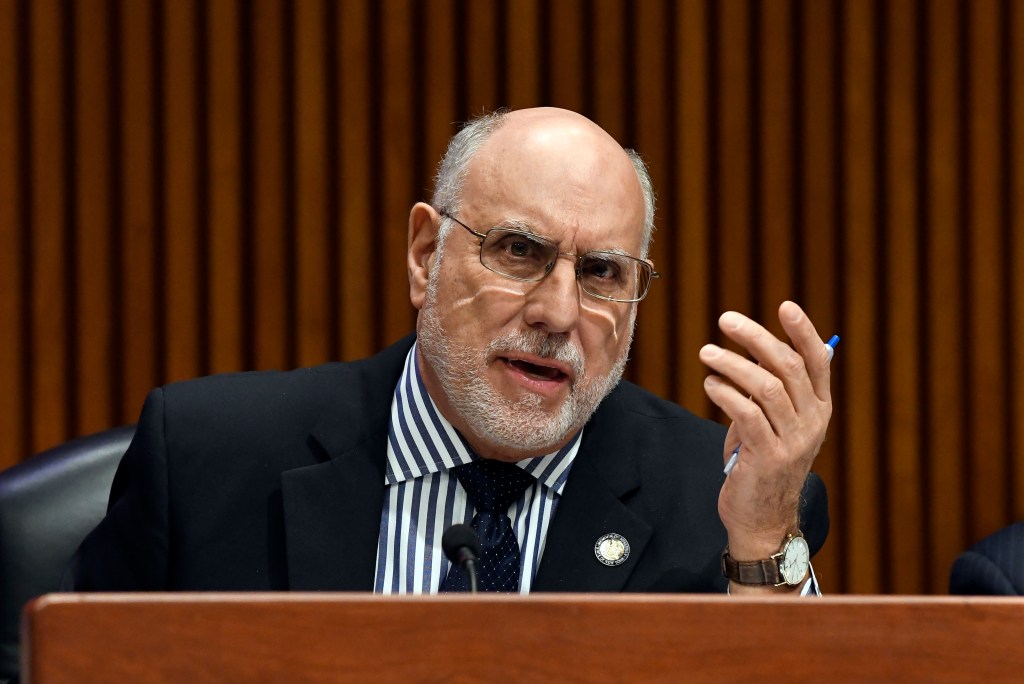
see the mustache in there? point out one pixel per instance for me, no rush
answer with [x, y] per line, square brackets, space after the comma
[542, 344]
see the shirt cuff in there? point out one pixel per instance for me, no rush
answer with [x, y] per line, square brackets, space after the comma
[810, 587]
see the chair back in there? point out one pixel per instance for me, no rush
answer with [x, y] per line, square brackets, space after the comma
[48, 504]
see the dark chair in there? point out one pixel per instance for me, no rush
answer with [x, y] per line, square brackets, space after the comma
[993, 567]
[48, 504]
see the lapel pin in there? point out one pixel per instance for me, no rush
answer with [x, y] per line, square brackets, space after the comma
[612, 549]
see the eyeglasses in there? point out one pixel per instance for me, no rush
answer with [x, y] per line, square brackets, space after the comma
[524, 256]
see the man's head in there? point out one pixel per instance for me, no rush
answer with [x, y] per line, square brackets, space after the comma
[518, 367]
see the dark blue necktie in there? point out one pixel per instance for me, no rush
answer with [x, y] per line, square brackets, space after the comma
[492, 486]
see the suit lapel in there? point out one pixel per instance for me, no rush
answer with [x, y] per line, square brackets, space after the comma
[591, 507]
[332, 519]
[332, 510]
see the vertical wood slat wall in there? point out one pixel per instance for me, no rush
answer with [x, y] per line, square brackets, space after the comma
[194, 187]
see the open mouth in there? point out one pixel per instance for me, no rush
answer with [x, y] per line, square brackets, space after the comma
[537, 371]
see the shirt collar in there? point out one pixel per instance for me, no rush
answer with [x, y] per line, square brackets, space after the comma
[421, 441]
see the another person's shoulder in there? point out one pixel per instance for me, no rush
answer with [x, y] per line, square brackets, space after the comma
[993, 566]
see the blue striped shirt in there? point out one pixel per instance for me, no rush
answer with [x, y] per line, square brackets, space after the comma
[422, 499]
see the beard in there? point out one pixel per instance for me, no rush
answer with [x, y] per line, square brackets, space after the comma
[520, 425]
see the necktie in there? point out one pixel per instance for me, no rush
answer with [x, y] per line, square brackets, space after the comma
[492, 486]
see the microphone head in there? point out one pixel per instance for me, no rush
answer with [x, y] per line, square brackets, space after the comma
[458, 537]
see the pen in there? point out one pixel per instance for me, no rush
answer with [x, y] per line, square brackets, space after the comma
[831, 347]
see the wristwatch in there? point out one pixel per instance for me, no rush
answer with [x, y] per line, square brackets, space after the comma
[788, 566]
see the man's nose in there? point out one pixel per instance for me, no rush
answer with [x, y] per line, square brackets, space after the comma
[553, 304]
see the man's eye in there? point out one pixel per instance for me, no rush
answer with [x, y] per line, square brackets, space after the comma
[602, 269]
[520, 247]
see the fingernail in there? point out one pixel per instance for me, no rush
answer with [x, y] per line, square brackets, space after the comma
[710, 351]
[730, 320]
[793, 313]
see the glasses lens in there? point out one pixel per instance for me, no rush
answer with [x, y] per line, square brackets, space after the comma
[516, 254]
[527, 257]
[614, 276]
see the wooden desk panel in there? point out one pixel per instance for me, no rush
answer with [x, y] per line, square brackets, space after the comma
[564, 638]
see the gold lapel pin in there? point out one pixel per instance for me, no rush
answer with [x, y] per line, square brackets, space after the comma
[612, 549]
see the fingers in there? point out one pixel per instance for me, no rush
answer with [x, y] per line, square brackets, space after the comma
[785, 393]
[750, 425]
[756, 399]
[804, 371]
[809, 345]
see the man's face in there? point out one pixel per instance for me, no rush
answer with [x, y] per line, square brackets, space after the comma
[522, 365]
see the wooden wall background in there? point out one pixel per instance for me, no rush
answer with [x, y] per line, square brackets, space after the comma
[195, 187]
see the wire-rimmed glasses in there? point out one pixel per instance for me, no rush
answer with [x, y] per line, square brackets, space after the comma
[528, 257]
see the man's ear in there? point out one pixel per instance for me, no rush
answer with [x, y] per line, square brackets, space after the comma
[423, 224]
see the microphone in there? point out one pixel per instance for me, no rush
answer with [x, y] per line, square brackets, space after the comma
[462, 547]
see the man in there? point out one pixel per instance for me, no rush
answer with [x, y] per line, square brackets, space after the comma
[526, 270]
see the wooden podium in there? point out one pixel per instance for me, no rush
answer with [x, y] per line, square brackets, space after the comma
[558, 638]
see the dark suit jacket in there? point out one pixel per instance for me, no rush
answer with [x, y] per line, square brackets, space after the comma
[271, 481]
[993, 566]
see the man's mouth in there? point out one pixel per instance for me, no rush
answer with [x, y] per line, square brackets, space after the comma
[538, 371]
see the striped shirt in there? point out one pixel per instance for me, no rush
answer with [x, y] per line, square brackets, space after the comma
[422, 498]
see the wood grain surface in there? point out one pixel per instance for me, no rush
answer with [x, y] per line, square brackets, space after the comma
[557, 638]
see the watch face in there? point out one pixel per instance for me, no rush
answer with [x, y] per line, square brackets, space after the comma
[795, 559]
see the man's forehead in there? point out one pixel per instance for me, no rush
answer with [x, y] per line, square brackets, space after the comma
[555, 161]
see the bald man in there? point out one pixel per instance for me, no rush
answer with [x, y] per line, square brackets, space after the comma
[526, 269]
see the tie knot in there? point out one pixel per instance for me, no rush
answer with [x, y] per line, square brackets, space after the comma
[493, 485]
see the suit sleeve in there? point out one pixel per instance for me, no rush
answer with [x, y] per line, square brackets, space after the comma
[974, 573]
[814, 518]
[129, 549]
[993, 567]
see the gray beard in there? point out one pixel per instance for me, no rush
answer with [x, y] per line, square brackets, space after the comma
[520, 425]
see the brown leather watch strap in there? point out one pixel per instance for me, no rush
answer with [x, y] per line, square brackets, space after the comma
[755, 573]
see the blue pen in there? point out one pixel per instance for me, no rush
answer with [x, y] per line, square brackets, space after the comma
[831, 347]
